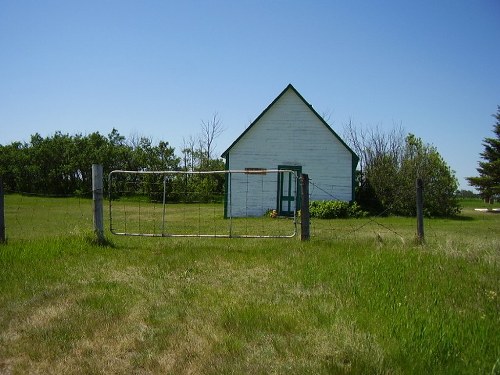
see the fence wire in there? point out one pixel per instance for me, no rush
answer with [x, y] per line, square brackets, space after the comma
[345, 228]
[31, 216]
[201, 204]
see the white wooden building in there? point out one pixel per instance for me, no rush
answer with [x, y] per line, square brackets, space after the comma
[289, 134]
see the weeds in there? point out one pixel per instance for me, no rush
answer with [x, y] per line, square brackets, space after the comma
[351, 304]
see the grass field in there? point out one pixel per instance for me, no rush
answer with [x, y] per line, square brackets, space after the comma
[360, 298]
[188, 219]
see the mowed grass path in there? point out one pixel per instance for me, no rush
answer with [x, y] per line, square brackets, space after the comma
[360, 298]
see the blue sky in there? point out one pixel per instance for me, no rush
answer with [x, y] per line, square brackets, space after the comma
[158, 68]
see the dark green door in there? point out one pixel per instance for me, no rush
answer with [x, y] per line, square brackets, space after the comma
[289, 190]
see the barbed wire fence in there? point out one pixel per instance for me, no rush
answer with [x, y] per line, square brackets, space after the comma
[30, 216]
[369, 226]
[150, 204]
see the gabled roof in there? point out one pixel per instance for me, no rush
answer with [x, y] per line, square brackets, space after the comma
[289, 87]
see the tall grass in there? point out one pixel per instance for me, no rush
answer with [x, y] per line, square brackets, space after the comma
[353, 301]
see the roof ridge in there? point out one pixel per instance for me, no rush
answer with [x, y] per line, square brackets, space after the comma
[288, 87]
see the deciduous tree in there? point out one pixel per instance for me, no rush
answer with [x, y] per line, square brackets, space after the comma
[390, 163]
[210, 131]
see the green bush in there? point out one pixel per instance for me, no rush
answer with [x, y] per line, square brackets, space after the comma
[335, 210]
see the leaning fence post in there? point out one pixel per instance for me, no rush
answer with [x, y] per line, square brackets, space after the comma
[97, 201]
[304, 209]
[2, 216]
[420, 211]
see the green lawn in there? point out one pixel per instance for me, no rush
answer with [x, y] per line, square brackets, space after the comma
[359, 298]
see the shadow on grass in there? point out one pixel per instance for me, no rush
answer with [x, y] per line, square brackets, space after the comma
[101, 242]
[462, 218]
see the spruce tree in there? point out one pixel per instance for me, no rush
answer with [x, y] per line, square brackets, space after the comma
[488, 182]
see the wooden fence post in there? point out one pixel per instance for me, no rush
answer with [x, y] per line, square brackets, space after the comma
[98, 201]
[2, 216]
[420, 211]
[304, 209]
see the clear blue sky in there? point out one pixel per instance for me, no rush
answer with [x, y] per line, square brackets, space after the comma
[158, 68]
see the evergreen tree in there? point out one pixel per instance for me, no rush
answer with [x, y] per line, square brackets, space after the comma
[488, 182]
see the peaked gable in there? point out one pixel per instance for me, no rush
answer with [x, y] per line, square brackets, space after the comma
[290, 87]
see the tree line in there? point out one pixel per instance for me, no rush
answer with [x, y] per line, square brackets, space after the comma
[61, 164]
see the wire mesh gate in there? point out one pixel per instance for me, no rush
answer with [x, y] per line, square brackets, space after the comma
[232, 203]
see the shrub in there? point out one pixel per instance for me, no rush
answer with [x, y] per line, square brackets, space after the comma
[335, 210]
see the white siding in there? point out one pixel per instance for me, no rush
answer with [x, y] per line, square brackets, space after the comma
[289, 133]
[252, 194]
